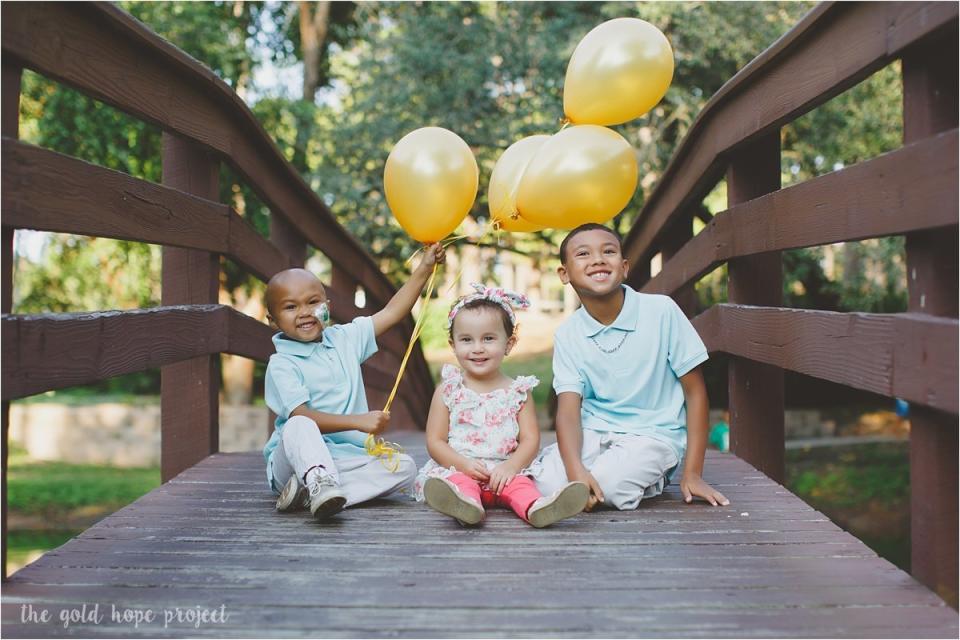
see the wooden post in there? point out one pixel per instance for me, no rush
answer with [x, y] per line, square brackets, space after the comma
[756, 390]
[189, 408]
[10, 125]
[676, 236]
[930, 106]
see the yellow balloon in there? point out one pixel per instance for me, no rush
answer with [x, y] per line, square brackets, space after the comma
[430, 181]
[618, 72]
[505, 181]
[582, 174]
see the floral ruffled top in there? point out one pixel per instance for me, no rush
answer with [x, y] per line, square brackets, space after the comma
[483, 426]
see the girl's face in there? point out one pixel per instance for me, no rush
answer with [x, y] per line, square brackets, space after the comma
[480, 341]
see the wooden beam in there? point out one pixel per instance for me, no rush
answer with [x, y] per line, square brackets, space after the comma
[49, 191]
[755, 389]
[865, 200]
[674, 240]
[57, 351]
[12, 73]
[930, 106]
[908, 355]
[833, 48]
[189, 389]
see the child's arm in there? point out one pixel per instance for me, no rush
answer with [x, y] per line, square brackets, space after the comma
[570, 444]
[403, 300]
[373, 422]
[438, 427]
[528, 444]
[692, 483]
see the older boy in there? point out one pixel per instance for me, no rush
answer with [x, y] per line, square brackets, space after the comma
[316, 456]
[629, 390]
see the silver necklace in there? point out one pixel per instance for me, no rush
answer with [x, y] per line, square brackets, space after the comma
[616, 348]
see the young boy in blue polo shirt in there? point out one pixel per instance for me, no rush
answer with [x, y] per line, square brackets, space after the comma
[630, 396]
[316, 455]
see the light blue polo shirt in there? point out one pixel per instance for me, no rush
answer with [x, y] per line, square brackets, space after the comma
[326, 375]
[635, 388]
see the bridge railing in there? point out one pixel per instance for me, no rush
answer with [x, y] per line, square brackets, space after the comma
[105, 53]
[911, 191]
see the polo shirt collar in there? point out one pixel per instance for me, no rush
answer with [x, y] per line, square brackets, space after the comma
[626, 320]
[295, 347]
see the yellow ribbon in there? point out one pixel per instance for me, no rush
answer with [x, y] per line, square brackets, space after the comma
[389, 452]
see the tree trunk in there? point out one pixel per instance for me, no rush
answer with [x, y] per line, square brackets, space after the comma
[313, 36]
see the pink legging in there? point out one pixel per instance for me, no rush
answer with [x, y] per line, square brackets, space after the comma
[517, 495]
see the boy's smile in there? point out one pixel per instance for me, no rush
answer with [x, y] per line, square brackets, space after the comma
[292, 302]
[594, 264]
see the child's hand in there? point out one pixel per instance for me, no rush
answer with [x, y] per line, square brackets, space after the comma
[501, 476]
[475, 469]
[596, 493]
[373, 422]
[432, 254]
[693, 485]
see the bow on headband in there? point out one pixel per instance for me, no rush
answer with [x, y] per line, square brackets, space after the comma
[507, 299]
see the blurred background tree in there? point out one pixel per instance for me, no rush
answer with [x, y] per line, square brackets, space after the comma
[337, 84]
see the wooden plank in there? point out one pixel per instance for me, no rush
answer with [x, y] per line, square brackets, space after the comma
[836, 46]
[755, 389]
[930, 103]
[56, 351]
[880, 353]
[49, 191]
[9, 126]
[727, 574]
[865, 200]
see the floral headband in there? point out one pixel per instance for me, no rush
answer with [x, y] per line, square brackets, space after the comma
[503, 297]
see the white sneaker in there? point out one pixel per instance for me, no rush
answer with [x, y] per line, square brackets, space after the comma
[568, 501]
[293, 497]
[445, 497]
[326, 496]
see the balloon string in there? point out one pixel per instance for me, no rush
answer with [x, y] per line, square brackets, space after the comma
[389, 452]
[413, 338]
[565, 122]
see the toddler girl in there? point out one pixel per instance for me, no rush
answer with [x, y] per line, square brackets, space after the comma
[482, 428]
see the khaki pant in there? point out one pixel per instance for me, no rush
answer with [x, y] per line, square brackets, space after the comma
[628, 468]
[361, 477]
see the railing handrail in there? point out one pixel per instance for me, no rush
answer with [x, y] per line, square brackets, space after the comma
[697, 163]
[224, 106]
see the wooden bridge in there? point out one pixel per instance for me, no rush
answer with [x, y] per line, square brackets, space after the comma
[207, 544]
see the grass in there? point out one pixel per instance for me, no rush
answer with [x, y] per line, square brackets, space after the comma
[865, 489]
[50, 488]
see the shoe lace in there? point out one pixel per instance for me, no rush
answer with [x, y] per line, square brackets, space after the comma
[321, 483]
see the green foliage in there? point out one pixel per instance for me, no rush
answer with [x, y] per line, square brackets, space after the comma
[535, 364]
[851, 476]
[863, 488]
